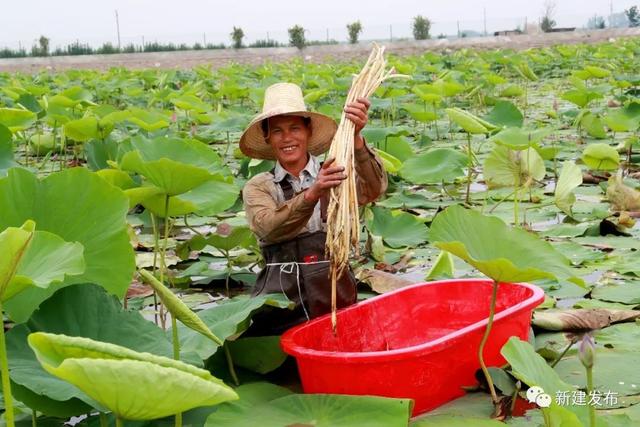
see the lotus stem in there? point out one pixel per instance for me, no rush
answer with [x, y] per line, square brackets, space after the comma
[6, 382]
[561, 355]
[470, 170]
[163, 254]
[174, 335]
[232, 369]
[119, 422]
[178, 422]
[483, 366]
[592, 409]
[156, 240]
[435, 122]
[103, 420]
[516, 215]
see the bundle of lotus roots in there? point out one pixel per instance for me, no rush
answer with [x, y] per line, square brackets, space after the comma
[343, 228]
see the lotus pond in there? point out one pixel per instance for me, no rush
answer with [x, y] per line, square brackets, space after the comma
[127, 262]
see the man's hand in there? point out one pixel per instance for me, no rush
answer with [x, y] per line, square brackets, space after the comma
[328, 177]
[357, 112]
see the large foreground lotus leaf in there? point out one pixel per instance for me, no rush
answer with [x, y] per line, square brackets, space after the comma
[570, 178]
[501, 253]
[398, 229]
[16, 119]
[78, 206]
[267, 405]
[92, 314]
[135, 386]
[434, 167]
[41, 260]
[513, 168]
[601, 156]
[210, 198]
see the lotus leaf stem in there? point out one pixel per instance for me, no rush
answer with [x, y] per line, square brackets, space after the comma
[470, 170]
[592, 409]
[561, 355]
[483, 366]
[103, 420]
[232, 369]
[6, 382]
[119, 422]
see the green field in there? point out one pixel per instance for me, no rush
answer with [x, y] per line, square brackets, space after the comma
[126, 170]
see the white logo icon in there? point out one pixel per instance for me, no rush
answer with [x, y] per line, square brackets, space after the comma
[539, 397]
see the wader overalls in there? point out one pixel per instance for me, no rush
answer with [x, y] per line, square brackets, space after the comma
[301, 278]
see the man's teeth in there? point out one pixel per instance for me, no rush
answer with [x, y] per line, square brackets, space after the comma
[289, 148]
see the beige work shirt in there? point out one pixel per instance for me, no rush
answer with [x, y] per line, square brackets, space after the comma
[274, 219]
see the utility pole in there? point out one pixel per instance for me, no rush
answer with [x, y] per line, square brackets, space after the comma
[458, 24]
[484, 11]
[327, 35]
[611, 14]
[267, 36]
[390, 33]
[204, 39]
[118, 28]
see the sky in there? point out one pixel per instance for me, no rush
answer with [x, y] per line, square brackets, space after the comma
[191, 21]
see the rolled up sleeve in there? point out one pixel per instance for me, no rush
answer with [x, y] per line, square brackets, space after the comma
[270, 221]
[371, 180]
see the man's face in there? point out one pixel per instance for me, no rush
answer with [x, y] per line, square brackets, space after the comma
[288, 137]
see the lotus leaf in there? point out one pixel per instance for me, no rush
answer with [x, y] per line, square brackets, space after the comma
[398, 229]
[435, 166]
[601, 156]
[570, 178]
[501, 253]
[179, 309]
[469, 122]
[512, 168]
[93, 214]
[16, 119]
[226, 320]
[267, 409]
[136, 386]
[96, 315]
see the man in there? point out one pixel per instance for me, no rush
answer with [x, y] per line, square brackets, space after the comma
[286, 207]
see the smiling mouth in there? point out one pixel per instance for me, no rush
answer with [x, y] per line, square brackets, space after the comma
[289, 149]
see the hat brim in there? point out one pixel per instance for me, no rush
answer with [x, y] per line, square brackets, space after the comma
[253, 144]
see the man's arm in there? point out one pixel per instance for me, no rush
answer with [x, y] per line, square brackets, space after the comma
[371, 179]
[269, 221]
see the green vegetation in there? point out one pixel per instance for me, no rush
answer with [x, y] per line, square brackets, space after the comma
[518, 165]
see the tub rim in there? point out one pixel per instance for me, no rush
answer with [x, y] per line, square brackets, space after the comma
[288, 344]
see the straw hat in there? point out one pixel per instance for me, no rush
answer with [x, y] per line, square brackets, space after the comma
[286, 98]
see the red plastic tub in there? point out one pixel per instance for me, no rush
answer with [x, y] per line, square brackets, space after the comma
[419, 342]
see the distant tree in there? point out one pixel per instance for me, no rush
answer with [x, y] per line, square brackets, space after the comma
[547, 22]
[596, 22]
[354, 29]
[421, 28]
[296, 36]
[618, 20]
[43, 48]
[236, 35]
[633, 16]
